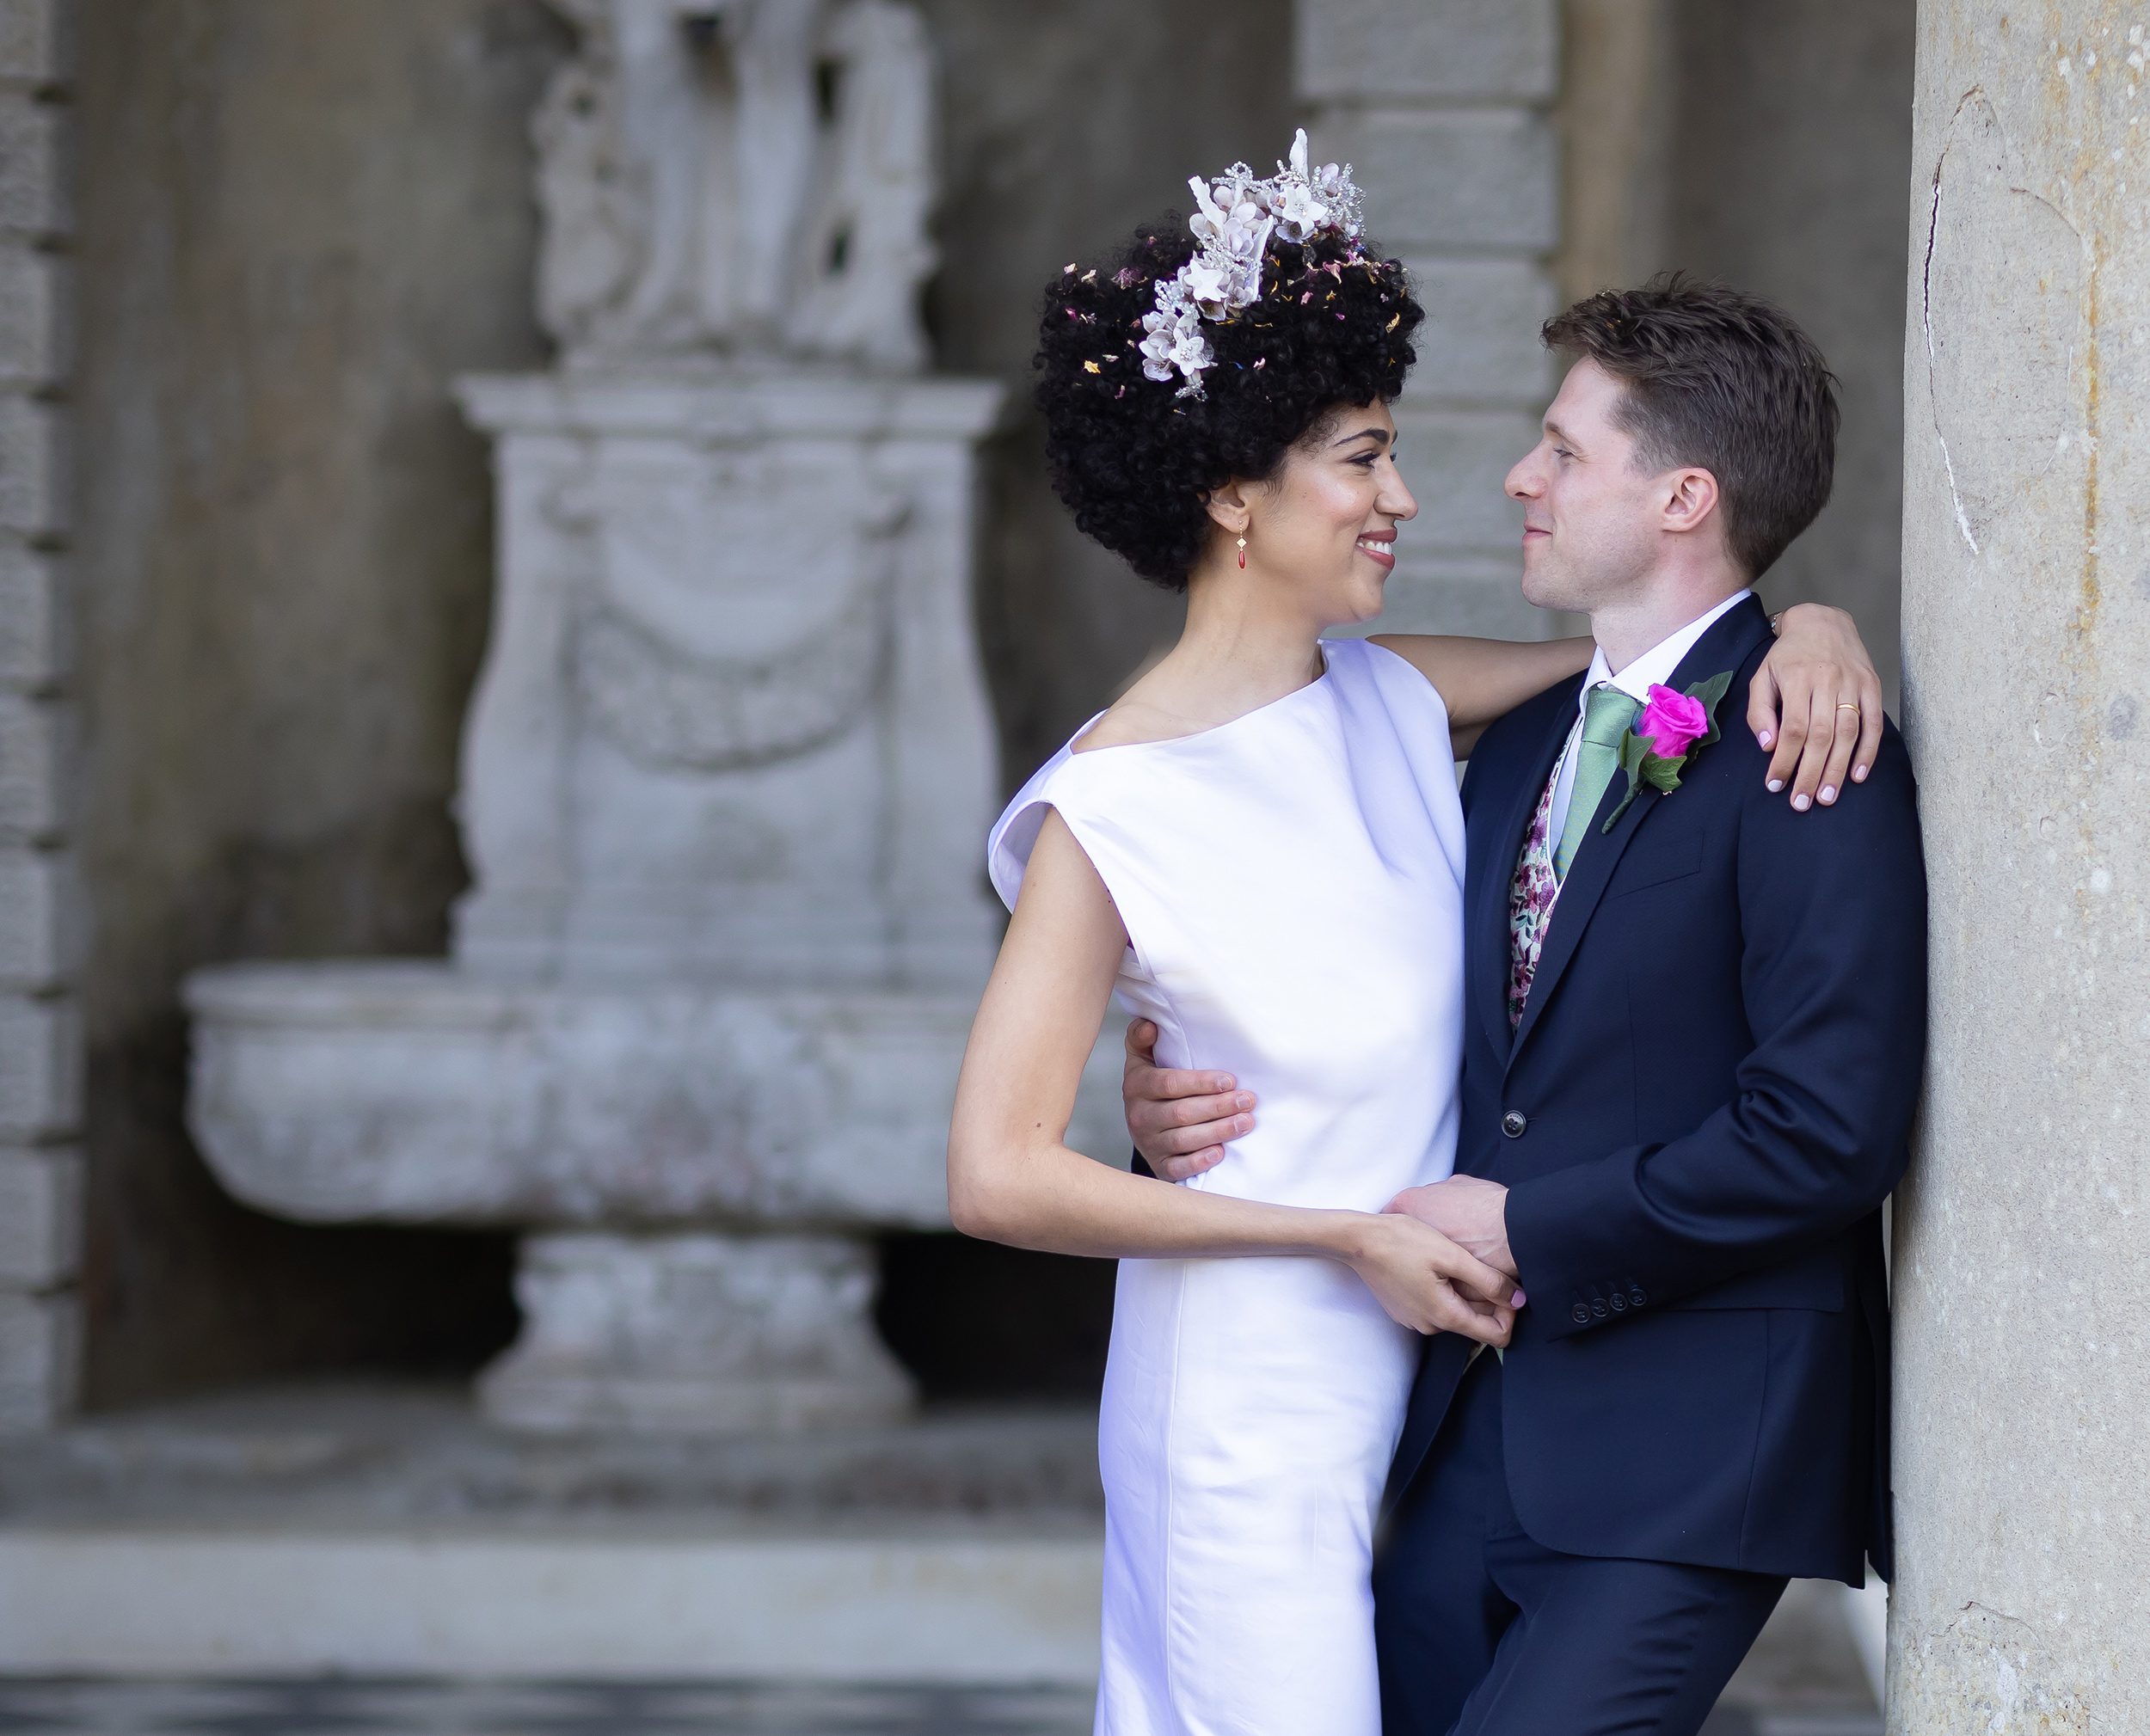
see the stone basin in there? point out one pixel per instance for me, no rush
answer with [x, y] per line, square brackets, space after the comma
[696, 1168]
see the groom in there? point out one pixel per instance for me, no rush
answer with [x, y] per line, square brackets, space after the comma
[1693, 1047]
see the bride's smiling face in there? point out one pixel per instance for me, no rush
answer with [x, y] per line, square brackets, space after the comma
[1323, 527]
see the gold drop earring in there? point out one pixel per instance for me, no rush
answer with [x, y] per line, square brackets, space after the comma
[1243, 554]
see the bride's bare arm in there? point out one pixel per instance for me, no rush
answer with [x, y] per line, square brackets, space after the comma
[1013, 1178]
[1816, 702]
[1481, 679]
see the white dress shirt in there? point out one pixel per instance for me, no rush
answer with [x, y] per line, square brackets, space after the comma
[1655, 668]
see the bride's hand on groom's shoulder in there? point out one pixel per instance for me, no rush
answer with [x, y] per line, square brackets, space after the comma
[1426, 1282]
[1814, 705]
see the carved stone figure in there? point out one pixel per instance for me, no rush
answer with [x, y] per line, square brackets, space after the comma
[742, 177]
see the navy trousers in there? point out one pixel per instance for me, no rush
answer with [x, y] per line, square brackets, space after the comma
[1481, 1632]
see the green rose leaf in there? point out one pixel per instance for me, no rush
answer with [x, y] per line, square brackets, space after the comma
[1709, 693]
[1662, 775]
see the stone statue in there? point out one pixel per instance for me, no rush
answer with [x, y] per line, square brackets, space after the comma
[744, 177]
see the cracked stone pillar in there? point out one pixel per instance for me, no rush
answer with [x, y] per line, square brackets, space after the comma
[2022, 1417]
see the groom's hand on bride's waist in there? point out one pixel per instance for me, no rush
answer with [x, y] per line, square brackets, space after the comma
[1471, 1212]
[1180, 1120]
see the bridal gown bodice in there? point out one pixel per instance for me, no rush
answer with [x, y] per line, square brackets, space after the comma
[1291, 884]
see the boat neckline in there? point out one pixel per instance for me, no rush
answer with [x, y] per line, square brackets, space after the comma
[1328, 666]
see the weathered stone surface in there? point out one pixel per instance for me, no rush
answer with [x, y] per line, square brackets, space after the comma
[2023, 1423]
[676, 767]
[34, 470]
[36, 166]
[1479, 343]
[695, 1334]
[39, 927]
[424, 1094]
[41, 1218]
[1382, 50]
[1470, 178]
[36, 628]
[41, 1354]
[37, 41]
[36, 743]
[40, 1068]
[763, 187]
[36, 311]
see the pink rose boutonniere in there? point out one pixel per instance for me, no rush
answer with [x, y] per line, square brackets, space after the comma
[1673, 728]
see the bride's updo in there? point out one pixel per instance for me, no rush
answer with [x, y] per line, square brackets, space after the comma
[1324, 323]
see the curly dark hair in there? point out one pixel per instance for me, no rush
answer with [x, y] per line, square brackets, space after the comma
[1133, 461]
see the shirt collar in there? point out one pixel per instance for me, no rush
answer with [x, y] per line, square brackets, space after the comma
[1658, 665]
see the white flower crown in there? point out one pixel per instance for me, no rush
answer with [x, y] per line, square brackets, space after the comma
[1236, 217]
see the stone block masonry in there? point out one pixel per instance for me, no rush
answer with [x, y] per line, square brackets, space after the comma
[40, 1032]
[1442, 108]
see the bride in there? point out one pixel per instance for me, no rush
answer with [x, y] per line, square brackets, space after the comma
[1260, 846]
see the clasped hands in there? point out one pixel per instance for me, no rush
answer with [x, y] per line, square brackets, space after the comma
[1460, 1277]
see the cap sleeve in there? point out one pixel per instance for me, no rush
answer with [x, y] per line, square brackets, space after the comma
[1094, 807]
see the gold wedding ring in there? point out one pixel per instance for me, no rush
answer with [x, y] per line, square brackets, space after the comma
[1846, 705]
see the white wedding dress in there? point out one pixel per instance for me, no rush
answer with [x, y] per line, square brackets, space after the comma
[1292, 883]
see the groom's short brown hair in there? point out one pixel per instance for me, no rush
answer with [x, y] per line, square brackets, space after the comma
[1724, 381]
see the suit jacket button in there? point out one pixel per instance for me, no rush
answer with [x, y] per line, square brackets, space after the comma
[1580, 1315]
[1635, 1295]
[1599, 1310]
[1513, 1123]
[1619, 1303]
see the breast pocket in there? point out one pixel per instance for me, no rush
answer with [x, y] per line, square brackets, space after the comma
[1651, 863]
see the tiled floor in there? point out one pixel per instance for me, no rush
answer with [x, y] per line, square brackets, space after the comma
[418, 1709]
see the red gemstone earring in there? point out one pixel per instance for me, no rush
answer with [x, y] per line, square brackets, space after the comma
[1243, 554]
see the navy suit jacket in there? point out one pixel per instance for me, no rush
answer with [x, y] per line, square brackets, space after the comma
[1708, 1098]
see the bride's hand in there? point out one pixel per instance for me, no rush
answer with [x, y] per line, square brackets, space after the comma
[1428, 1284]
[1816, 702]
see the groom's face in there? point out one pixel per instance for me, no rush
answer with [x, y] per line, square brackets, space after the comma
[1591, 513]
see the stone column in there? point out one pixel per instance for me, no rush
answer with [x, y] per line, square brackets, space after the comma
[40, 1044]
[2022, 1409]
[1441, 107]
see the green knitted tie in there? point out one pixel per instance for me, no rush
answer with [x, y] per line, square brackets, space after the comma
[1610, 716]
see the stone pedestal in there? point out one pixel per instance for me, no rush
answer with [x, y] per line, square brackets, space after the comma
[2022, 1296]
[732, 724]
[695, 1334]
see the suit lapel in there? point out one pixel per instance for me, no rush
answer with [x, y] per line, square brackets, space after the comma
[1491, 940]
[1727, 645]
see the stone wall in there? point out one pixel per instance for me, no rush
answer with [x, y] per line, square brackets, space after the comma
[299, 218]
[1444, 109]
[1790, 155]
[1065, 126]
[40, 1060]
[1768, 146]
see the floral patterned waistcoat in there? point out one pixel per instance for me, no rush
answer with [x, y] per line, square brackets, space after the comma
[1530, 905]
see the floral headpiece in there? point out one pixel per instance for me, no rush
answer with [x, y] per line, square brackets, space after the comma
[1236, 217]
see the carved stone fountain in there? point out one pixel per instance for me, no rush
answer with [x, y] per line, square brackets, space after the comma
[726, 773]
